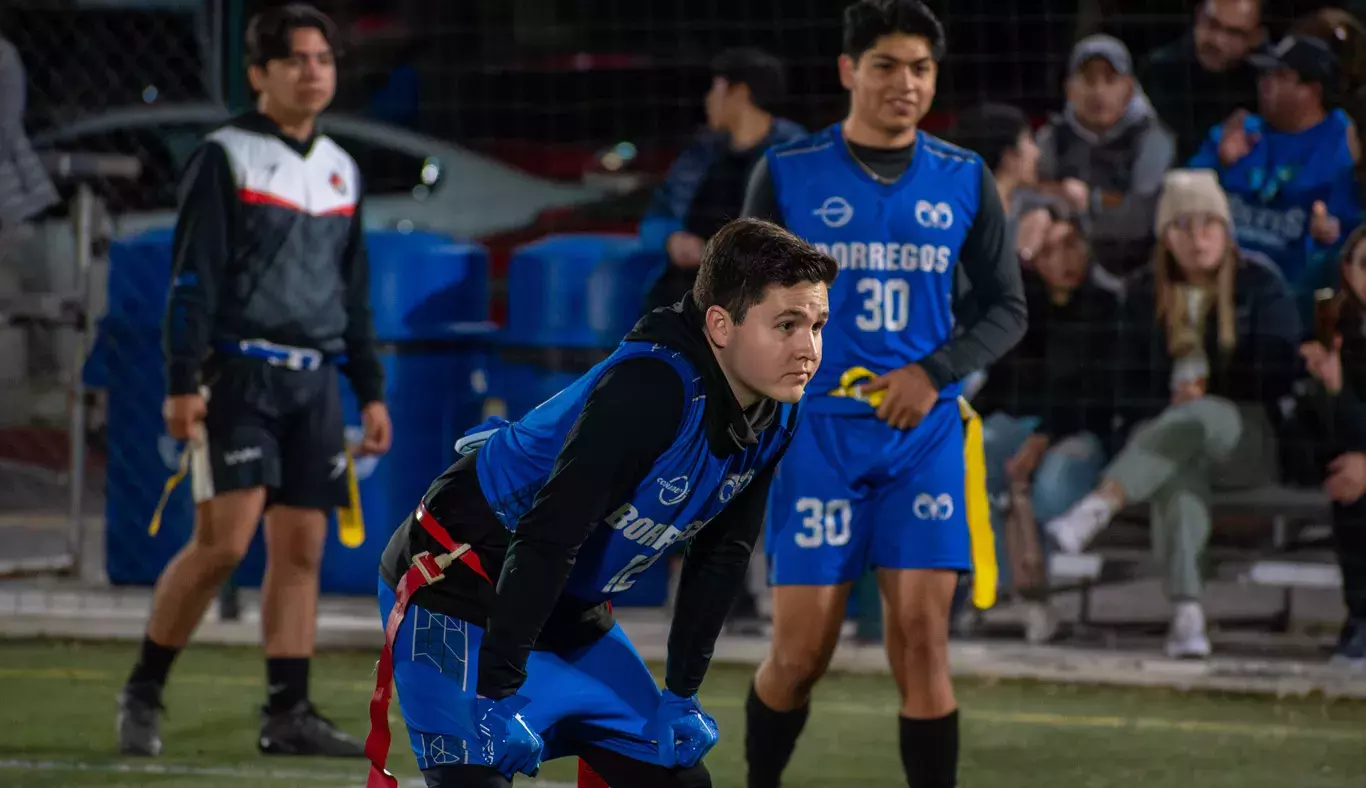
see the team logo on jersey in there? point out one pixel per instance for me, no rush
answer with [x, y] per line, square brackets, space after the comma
[337, 183]
[937, 216]
[733, 484]
[929, 507]
[672, 491]
[835, 212]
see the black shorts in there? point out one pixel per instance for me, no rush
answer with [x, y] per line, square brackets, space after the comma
[276, 428]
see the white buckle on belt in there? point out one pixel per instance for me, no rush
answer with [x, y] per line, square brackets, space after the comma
[287, 356]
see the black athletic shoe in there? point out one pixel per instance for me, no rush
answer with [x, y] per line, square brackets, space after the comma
[302, 731]
[138, 719]
[1351, 648]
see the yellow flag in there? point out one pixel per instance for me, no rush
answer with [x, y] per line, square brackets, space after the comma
[171, 484]
[350, 520]
[984, 569]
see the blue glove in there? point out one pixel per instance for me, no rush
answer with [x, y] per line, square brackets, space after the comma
[684, 732]
[506, 740]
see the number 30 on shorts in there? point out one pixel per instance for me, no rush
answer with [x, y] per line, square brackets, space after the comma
[824, 522]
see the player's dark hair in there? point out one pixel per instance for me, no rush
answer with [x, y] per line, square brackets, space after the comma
[990, 130]
[869, 20]
[756, 69]
[270, 33]
[746, 256]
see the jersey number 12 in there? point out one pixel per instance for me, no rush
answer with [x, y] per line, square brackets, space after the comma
[886, 304]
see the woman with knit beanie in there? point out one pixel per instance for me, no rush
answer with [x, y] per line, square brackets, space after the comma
[1207, 349]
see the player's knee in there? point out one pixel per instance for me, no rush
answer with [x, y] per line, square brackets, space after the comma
[800, 668]
[219, 557]
[924, 635]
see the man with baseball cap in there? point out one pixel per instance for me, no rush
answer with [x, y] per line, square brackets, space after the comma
[1290, 170]
[1106, 152]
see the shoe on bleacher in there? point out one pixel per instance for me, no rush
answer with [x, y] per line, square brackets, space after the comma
[1074, 529]
[302, 731]
[1187, 639]
[1351, 648]
[138, 719]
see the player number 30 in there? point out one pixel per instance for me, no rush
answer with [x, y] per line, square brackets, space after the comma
[886, 304]
[824, 522]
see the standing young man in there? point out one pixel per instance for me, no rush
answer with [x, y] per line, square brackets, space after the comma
[876, 474]
[270, 295]
[510, 657]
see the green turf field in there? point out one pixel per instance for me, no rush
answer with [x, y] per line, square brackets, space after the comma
[56, 729]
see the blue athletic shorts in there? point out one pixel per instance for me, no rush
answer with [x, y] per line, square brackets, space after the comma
[600, 694]
[852, 492]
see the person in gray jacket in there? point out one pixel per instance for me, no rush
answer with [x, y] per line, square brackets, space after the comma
[25, 188]
[1106, 153]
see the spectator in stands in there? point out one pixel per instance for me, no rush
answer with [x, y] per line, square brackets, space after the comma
[1002, 136]
[1047, 412]
[705, 188]
[1195, 82]
[1290, 171]
[1208, 346]
[1340, 404]
[1106, 153]
[25, 189]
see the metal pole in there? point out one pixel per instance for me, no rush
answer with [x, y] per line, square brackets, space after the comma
[84, 221]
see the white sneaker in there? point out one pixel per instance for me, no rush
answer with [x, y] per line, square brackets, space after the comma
[1075, 528]
[1041, 623]
[1186, 639]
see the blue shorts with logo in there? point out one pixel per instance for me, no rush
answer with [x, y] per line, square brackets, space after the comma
[601, 694]
[852, 492]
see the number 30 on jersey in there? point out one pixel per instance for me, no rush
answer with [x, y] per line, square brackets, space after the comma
[886, 304]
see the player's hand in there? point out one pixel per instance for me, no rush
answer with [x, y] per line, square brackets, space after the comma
[378, 431]
[1325, 227]
[1077, 193]
[506, 740]
[184, 413]
[1346, 478]
[1324, 365]
[910, 396]
[684, 732]
[1235, 141]
[1188, 391]
[1021, 467]
[685, 249]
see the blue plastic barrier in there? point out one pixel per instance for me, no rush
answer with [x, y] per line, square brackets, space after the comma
[436, 380]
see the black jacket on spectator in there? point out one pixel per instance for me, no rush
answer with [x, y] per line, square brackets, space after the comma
[1189, 99]
[1329, 426]
[1056, 372]
[1262, 367]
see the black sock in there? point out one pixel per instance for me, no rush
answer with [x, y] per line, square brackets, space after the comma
[770, 738]
[929, 751]
[286, 682]
[154, 663]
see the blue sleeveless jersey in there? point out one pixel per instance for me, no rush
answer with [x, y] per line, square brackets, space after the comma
[1272, 190]
[687, 486]
[896, 244]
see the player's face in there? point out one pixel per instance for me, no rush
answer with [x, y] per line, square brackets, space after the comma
[1024, 165]
[303, 84]
[1198, 242]
[1225, 31]
[1099, 94]
[1062, 260]
[717, 104]
[1354, 271]
[891, 85]
[776, 350]
[1282, 96]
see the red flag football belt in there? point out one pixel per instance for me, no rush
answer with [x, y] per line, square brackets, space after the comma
[425, 570]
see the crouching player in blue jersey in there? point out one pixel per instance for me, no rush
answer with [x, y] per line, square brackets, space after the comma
[508, 654]
[877, 474]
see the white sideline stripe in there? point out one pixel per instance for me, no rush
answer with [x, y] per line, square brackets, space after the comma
[222, 771]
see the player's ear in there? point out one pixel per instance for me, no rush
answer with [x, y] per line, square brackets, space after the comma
[718, 325]
[847, 67]
[256, 75]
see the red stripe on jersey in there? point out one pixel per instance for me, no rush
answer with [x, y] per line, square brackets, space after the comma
[253, 197]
